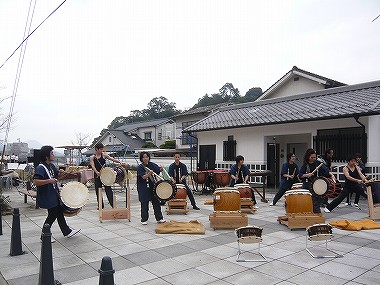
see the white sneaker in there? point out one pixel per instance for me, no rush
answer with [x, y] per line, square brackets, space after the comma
[144, 223]
[271, 204]
[161, 221]
[255, 206]
[356, 206]
[72, 233]
[326, 210]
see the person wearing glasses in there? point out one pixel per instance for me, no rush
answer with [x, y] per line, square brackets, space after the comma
[289, 176]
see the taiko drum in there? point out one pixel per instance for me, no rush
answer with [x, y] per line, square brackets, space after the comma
[298, 201]
[226, 199]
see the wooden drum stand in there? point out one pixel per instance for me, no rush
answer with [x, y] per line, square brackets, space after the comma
[116, 213]
[373, 208]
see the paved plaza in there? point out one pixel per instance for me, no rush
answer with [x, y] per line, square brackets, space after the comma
[140, 256]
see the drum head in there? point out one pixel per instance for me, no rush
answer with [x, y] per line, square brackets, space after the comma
[320, 186]
[74, 194]
[242, 185]
[164, 190]
[108, 176]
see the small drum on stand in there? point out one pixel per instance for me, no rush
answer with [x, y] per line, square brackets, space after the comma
[221, 179]
[244, 190]
[320, 185]
[249, 231]
[74, 196]
[298, 201]
[164, 190]
[199, 177]
[181, 192]
[226, 199]
[319, 232]
[109, 176]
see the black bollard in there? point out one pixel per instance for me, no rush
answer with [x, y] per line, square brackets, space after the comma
[16, 245]
[1, 220]
[106, 272]
[46, 260]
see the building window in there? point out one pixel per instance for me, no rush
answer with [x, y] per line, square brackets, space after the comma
[159, 136]
[148, 136]
[229, 149]
[186, 139]
[109, 139]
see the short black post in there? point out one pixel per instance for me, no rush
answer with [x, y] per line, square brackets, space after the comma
[1, 220]
[46, 260]
[16, 245]
[106, 272]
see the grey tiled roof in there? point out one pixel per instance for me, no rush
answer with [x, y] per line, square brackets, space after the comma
[204, 109]
[347, 101]
[143, 124]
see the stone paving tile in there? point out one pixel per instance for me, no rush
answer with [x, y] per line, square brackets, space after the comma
[221, 269]
[278, 268]
[195, 259]
[221, 251]
[303, 259]
[75, 273]
[339, 270]
[248, 276]
[144, 257]
[95, 255]
[367, 251]
[165, 267]
[174, 250]
[364, 262]
[200, 244]
[189, 277]
[316, 278]
[11, 272]
[369, 278]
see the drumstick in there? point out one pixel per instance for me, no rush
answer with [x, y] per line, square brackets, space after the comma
[154, 173]
[319, 166]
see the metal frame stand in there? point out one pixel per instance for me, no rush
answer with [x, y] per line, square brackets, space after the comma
[322, 237]
[250, 239]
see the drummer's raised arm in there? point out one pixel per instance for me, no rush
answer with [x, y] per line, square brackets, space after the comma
[113, 159]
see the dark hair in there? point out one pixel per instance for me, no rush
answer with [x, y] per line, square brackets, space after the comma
[239, 158]
[351, 157]
[45, 152]
[99, 146]
[289, 155]
[177, 152]
[327, 151]
[142, 154]
[357, 155]
[308, 152]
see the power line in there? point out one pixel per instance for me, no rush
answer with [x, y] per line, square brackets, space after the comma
[32, 33]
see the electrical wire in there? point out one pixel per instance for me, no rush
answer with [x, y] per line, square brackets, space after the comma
[32, 33]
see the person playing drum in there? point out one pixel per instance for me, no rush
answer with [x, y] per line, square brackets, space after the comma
[145, 186]
[289, 176]
[240, 174]
[178, 173]
[46, 179]
[354, 179]
[97, 162]
[311, 169]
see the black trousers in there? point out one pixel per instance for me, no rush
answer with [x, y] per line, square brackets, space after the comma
[345, 192]
[156, 209]
[190, 194]
[56, 213]
[109, 193]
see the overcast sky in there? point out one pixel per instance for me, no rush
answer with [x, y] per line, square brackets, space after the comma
[94, 60]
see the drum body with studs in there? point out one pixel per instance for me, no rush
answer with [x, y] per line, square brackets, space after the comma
[181, 192]
[74, 196]
[226, 199]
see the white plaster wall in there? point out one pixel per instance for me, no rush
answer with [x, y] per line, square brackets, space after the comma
[373, 131]
[252, 141]
[291, 87]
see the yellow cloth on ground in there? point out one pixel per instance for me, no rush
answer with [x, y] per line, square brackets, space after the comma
[209, 202]
[365, 224]
[173, 227]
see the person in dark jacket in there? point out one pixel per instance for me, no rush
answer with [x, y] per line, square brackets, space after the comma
[289, 176]
[46, 179]
[178, 173]
[145, 186]
[311, 169]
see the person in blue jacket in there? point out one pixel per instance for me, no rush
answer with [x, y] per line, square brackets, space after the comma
[311, 169]
[240, 174]
[178, 173]
[289, 176]
[145, 186]
[46, 179]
